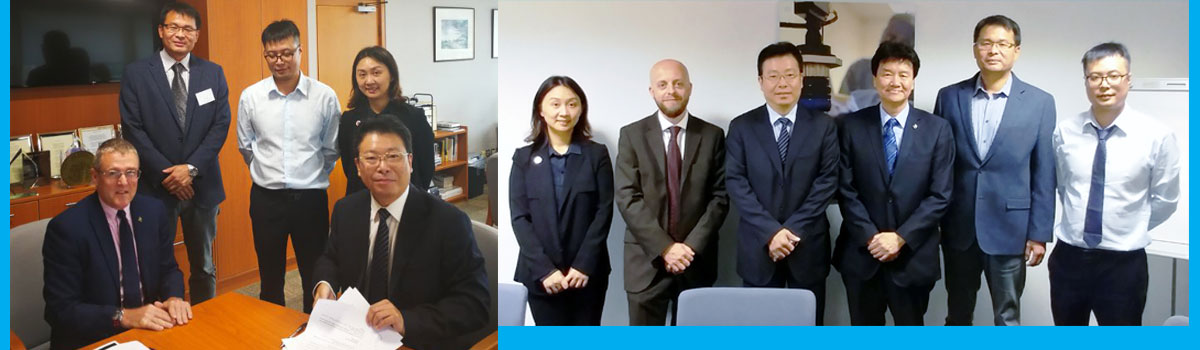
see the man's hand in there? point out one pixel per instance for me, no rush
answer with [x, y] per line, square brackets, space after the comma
[782, 244]
[177, 176]
[553, 283]
[885, 246]
[148, 316]
[183, 192]
[1034, 252]
[575, 279]
[678, 257]
[384, 314]
[179, 310]
[324, 291]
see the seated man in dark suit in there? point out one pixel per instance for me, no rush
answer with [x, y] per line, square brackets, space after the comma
[411, 255]
[109, 262]
[896, 176]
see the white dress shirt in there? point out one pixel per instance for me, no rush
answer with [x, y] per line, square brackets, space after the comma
[791, 116]
[1141, 178]
[289, 141]
[899, 129]
[395, 211]
[666, 125]
[169, 62]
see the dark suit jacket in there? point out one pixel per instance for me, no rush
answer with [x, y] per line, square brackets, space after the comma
[575, 239]
[148, 122]
[641, 180]
[1006, 197]
[82, 287]
[438, 279]
[910, 202]
[412, 118]
[793, 194]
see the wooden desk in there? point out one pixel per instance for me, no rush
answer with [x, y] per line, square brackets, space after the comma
[234, 321]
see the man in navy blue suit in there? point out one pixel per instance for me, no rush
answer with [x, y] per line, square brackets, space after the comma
[781, 172]
[175, 110]
[896, 174]
[1002, 211]
[109, 262]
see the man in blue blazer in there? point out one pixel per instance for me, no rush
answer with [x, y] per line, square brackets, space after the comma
[781, 172]
[896, 174]
[1002, 212]
[175, 110]
[109, 262]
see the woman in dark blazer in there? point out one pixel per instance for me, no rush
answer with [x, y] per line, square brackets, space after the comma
[561, 199]
[376, 92]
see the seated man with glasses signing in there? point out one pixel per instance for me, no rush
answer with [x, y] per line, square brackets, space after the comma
[410, 254]
[110, 261]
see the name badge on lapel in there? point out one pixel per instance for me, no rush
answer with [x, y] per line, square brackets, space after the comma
[537, 160]
[204, 97]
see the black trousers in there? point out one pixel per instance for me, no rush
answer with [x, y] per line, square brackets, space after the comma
[573, 307]
[783, 279]
[1005, 275]
[274, 216]
[869, 299]
[1111, 284]
[649, 307]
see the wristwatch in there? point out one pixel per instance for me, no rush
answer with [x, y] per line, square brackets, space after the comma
[192, 171]
[117, 317]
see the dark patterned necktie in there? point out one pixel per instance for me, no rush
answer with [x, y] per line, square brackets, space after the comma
[890, 147]
[785, 137]
[130, 280]
[179, 91]
[674, 161]
[379, 260]
[1093, 220]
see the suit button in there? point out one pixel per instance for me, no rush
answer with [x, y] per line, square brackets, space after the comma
[180, 139]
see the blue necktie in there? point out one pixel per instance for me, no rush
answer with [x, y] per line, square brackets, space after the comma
[379, 261]
[1092, 221]
[129, 267]
[784, 137]
[890, 148]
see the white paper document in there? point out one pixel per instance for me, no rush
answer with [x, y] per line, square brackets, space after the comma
[342, 324]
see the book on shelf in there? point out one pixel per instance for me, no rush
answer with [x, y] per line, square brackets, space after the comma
[443, 181]
[451, 192]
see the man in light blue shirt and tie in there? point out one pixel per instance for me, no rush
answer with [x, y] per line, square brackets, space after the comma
[1001, 212]
[287, 129]
[1118, 178]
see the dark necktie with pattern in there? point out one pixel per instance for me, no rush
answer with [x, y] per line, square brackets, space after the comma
[179, 91]
[785, 137]
[891, 148]
[1093, 219]
[379, 260]
[674, 161]
[130, 280]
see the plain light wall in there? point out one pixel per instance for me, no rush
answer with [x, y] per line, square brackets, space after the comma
[464, 91]
[609, 46]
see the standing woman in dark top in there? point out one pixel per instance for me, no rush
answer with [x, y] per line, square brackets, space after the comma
[375, 93]
[561, 199]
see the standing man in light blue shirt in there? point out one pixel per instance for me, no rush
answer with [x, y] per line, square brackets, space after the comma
[1001, 211]
[287, 129]
[1118, 178]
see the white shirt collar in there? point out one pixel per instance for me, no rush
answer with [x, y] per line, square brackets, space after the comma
[665, 123]
[902, 117]
[168, 62]
[301, 86]
[791, 115]
[394, 210]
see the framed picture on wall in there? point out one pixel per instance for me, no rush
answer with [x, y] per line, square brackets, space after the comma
[453, 34]
[495, 33]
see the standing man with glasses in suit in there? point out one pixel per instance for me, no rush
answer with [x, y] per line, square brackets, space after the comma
[1118, 178]
[175, 110]
[1001, 212]
[287, 131]
[781, 172]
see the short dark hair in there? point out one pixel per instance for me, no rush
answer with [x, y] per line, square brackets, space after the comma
[889, 51]
[381, 55]
[281, 30]
[180, 8]
[782, 48]
[537, 134]
[1105, 50]
[385, 124]
[999, 20]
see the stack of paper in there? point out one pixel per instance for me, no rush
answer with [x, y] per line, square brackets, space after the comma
[342, 324]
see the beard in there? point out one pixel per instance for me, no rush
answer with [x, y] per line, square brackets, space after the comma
[672, 112]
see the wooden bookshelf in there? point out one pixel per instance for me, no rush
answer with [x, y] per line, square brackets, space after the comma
[457, 167]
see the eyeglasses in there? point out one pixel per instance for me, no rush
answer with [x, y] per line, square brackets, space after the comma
[774, 77]
[372, 159]
[172, 29]
[273, 56]
[1111, 78]
[988, 44]
[131, 174]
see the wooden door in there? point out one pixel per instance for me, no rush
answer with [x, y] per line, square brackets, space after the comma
[341, 32]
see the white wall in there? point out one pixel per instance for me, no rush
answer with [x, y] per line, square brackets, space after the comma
[464, 91]
[608, 47]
